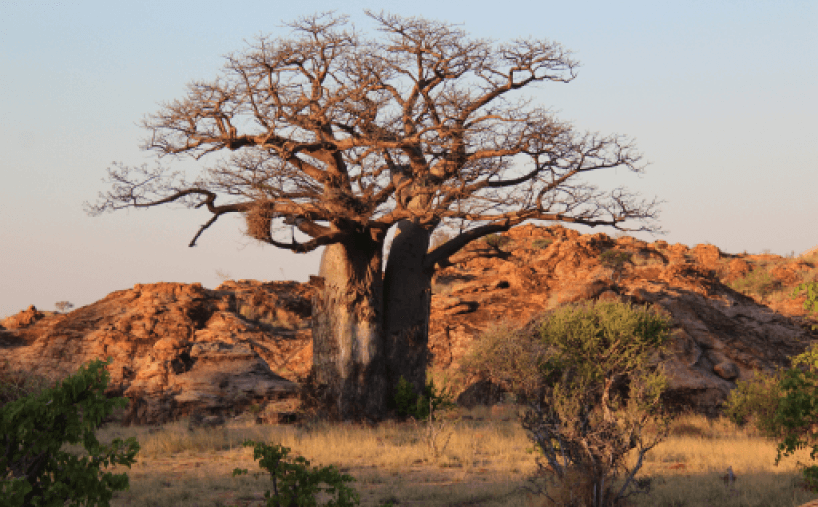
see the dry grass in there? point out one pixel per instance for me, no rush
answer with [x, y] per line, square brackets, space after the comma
[485, 463]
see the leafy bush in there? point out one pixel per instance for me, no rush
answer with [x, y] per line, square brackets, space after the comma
[33, 430]
[587, 376]
[496, 241]
[295, 484]
[785, 407]
[757, 281]
[811, 303]
[408, 403]
[541, 243]
[614, 258]
[756, 402]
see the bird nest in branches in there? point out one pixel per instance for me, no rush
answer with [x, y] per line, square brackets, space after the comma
[259, 219]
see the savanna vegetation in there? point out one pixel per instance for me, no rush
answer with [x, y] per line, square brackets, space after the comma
[581, 381]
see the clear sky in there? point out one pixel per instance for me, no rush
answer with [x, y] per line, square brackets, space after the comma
[721, 97]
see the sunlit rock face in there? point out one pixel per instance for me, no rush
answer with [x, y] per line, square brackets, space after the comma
[179, 349]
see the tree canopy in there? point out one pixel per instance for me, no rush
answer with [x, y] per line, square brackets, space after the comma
[343, 136]
[335, 134]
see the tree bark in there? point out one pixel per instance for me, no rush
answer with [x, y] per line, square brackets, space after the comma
[347, 330]
[407, 300]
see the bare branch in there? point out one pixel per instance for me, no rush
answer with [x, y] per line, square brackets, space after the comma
[424, 123]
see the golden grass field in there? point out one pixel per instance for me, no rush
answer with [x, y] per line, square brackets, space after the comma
[486, 463]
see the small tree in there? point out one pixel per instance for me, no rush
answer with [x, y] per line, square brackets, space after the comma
[63, 306]
[590, 388]
[783, 406]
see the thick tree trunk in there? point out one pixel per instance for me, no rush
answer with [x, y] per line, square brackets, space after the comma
[407, 299]
[347, 331]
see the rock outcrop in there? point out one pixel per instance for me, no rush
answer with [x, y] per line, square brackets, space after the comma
[181, 349]
[177, 349]
[719, 336]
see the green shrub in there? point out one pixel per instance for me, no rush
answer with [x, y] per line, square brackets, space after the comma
[541, 243]
[587, 376]
[784, 407]
[33, 430]
[295, 484]
[614, 258]
[496, 241]
[755, 401]
[811, 303]
[757, 281]
[409, 403]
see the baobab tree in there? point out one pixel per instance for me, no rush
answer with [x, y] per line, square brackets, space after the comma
[342, 136]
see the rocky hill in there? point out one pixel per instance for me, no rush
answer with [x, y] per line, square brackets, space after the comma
[179, 349]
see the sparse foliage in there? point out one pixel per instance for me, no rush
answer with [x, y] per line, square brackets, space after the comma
[615, 260]
[496, 241]
[63, 306]
[811, 302]
[295, 484]
[435, 432]
[784, 406]
[541, 243]
[758, 282]
[587, 377]
[408, 403]
[222, 275]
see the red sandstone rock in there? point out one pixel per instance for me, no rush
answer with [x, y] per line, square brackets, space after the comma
[707, 255]
[23, 319]
[179, 349]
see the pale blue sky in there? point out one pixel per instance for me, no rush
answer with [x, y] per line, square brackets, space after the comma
[721, 97]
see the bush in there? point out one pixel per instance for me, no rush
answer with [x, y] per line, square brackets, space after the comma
[33, 430]
[757, 281]
[541, 243]
[296, 485]
[496, 241]
[408, 403]
[587, 376]
[756, 402]
[811, 303]
[784, 407]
